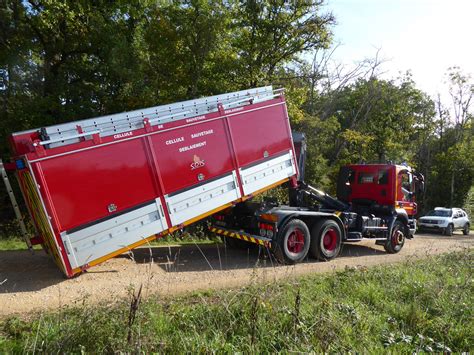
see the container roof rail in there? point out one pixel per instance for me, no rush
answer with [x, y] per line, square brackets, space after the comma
[73, 132]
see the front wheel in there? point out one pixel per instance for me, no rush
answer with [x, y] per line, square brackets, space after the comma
[326, 240]
[465, 230]
[449, 230]
[397, 239]
[293, 241]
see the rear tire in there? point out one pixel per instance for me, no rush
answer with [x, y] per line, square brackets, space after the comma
[397, 239]
[326, 240]
[449, 230]
[466, 228]
[292, 243]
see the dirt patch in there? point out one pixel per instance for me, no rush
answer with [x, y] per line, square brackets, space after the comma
[32, 283]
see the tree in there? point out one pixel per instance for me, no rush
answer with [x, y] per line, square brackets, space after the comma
[271, 33]
[461, 92]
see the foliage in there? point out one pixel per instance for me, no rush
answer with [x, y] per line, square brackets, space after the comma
[68, 60]
[469, 205]
[402, 308]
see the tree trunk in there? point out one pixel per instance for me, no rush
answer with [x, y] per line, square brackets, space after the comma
[452, 189]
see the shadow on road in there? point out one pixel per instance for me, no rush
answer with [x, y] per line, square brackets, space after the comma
[191, 258]
[21, 271]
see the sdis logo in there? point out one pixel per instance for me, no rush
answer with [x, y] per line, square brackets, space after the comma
[197, 163]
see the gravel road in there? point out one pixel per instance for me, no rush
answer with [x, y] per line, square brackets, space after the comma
[31, 282]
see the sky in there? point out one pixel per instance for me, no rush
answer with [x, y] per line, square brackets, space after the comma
[423, 36]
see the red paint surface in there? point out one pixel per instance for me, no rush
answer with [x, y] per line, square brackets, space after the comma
[381, 193]
[79, 181]
[82, 185]
[180, 166]
[254, 135]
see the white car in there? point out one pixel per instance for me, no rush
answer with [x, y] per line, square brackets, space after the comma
[445, 220]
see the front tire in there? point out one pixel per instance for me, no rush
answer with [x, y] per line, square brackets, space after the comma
[326, 240]
[397, 239]
[466, 228]
[293, 242]
[449, 230]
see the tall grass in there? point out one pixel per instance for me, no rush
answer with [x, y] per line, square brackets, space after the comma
[415, 306]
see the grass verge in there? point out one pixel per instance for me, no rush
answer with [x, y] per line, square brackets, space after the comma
[423, 305]
[16, 243]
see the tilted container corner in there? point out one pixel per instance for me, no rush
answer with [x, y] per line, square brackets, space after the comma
[98, 187]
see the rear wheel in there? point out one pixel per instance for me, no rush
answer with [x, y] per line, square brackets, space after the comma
[465, 230]
[293, 241]
[326, 240]
[397, 239]
[449, 230]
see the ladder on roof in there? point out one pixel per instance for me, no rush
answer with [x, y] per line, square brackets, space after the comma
[73, 132]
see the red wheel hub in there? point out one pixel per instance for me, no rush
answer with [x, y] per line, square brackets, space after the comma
[330, 239]
[295, 241]
[397, 237]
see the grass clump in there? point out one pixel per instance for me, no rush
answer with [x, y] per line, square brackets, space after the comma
[416, 306]
[196, 234]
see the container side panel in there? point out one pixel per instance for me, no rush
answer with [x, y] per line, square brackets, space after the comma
[91, 243]
[192, 155]
[266, 173]
[191, 203]
[260, 134]
[97, 183]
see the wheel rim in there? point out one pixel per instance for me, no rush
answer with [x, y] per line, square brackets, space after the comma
[330, 239]
[397, 237]
[295, 242]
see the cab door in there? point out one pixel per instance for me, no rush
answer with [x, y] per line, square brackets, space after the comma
[405, 192]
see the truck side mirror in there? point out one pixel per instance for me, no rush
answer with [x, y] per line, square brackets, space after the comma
[419, 184]
[419, 188]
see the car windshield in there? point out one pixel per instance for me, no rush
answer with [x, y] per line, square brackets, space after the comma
[439, 213]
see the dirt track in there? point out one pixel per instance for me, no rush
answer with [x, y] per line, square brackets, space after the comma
[33, 283]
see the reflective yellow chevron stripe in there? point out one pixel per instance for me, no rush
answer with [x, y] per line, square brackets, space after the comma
[240, 236]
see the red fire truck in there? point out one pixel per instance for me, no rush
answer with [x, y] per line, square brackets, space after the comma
[98, 187]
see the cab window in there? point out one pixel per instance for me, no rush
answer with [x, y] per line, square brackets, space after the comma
[365, 178]
[404, 186]
[383, 177]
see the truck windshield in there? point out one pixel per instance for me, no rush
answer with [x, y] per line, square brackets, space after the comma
[440, 213]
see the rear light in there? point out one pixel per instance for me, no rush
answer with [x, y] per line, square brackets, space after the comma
[266, 226]
[266, 229]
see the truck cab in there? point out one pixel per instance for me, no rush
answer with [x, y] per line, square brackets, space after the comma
[381, 188]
